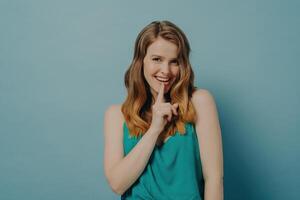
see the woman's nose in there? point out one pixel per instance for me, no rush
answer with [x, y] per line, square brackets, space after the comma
[165, 68]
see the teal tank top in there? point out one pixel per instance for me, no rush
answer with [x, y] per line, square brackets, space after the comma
[173, 172]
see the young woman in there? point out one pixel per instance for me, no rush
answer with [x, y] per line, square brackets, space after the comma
[164, 141]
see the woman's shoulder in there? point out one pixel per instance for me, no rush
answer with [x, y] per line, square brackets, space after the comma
[205, 106]
[114, 113]
[203, 95]
[202, 98]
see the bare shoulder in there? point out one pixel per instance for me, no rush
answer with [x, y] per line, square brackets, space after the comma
[204, 104]
[113, 116]
[202, 97]
[114, 112]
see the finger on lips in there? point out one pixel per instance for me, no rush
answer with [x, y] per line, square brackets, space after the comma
[161, 99]
[160, 96]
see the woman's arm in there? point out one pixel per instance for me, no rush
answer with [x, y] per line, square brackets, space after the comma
[121, 172]
[210, 144]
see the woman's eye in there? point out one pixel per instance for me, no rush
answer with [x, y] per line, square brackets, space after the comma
[156, 59]
[175, 62]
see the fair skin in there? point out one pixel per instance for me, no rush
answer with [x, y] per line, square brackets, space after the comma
[122, 171]
[160, 63]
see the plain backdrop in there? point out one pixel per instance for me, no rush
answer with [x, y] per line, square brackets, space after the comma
[62, 63]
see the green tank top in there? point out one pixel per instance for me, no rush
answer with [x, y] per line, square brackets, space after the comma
[173, 172]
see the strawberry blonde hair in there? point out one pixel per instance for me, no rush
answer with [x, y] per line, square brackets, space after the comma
[137, 108]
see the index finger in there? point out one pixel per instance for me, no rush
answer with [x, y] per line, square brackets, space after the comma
[160, 97]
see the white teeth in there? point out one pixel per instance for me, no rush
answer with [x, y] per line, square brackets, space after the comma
[162, 79]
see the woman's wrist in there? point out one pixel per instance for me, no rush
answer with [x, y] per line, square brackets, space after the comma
[154, 131]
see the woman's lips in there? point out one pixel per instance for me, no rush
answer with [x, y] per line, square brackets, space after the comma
[163, 80]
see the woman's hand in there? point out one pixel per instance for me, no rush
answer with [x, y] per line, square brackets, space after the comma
[162, 111]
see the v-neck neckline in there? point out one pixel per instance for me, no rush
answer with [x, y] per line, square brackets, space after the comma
[170, 138]
[167, 140]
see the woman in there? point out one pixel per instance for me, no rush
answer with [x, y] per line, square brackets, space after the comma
[164, 141]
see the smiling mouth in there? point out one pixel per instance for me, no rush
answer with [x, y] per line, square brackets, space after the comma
[166, 81]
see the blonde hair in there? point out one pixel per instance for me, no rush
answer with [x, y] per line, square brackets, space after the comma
[137, 106]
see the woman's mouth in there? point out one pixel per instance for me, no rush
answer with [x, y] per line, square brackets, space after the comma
[164, 80]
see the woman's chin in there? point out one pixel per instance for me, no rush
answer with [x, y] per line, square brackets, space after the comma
[166, 89]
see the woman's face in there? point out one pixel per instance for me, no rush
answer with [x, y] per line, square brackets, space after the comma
[161, 65]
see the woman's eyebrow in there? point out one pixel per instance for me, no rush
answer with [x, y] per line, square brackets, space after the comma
[162, 57]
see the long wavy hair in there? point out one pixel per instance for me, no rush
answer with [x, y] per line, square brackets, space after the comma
[137, 108]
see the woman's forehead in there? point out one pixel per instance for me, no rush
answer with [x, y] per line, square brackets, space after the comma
[163, 48]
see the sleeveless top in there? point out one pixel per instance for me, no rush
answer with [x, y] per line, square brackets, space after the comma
[173, 172]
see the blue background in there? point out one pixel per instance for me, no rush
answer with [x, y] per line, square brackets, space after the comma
[62, 64]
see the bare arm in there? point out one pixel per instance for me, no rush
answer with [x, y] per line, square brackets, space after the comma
[121, 172]
[210, 143]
